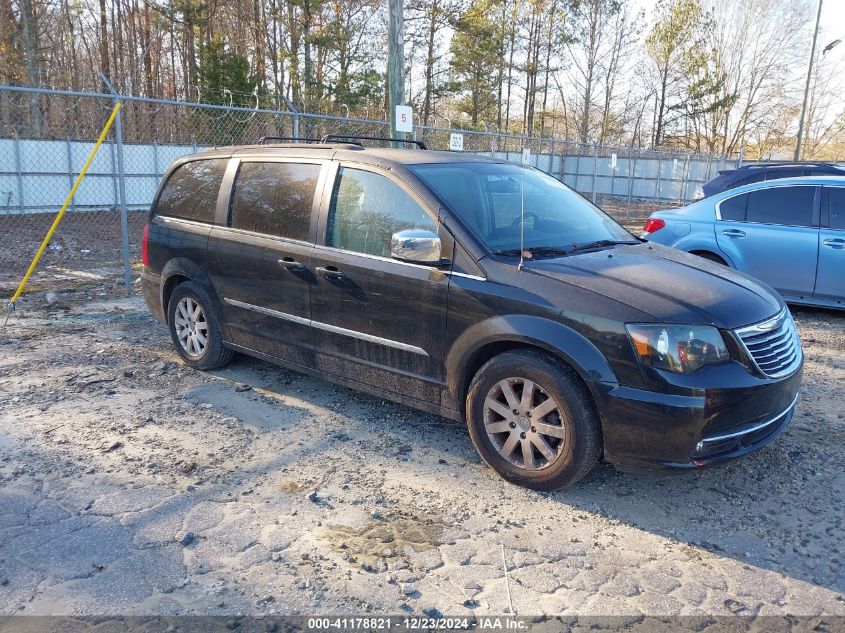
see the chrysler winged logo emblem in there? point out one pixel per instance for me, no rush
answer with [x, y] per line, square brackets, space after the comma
[771, 324]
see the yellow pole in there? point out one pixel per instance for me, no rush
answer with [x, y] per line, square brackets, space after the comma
[73, 189]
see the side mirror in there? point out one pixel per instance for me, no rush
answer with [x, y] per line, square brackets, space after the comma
[416, 246]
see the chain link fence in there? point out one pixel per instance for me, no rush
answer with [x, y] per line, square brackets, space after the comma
[46, 136]
[44, 143]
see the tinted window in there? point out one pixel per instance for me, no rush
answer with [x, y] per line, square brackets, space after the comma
[836, 204]
[734, 208]
[782, 205]
[367, 209]
[191, 191]
[274, 198]
[758, 176]
[774, 174]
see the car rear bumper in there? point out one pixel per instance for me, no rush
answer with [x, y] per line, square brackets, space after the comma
[651, 431]
[151, 285]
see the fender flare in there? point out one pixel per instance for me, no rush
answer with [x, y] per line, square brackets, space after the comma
[188, 268]
[554, 337]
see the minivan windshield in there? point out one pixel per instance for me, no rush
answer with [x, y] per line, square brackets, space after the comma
[493, 198]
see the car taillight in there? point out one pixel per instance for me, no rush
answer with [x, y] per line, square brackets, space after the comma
[144, 257]
[653, 224]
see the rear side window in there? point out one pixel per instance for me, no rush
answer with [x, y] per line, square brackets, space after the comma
[791, 206]
[367, 209]
[836, 205]
[191, 191]
[774, 174]
[758, 176]
[734, 208]
[274, 198]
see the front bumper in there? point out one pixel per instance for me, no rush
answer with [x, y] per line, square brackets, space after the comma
[644, 430]
[745, 439]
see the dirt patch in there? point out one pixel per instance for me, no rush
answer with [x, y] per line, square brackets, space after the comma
[385, 539]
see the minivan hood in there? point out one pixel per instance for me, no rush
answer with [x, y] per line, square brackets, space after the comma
[667, 285]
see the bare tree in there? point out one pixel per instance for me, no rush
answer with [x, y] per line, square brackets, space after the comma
[705, 75]
[590, 50]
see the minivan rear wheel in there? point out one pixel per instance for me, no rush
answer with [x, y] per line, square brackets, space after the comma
[194, 329]
[532, 420]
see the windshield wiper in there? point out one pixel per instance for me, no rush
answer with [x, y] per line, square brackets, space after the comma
[559, 251]
[508, 252]
[587, 246]
[549, 250]
[536, 251]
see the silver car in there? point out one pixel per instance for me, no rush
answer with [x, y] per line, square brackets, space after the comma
[789, 233]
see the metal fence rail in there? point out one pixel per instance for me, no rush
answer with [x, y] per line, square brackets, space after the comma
[45, 136]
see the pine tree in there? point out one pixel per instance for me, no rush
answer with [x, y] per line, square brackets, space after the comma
[474, 60]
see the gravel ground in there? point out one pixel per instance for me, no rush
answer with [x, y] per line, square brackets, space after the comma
[130, 484]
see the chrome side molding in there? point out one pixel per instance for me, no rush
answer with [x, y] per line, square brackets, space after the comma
[363, 336]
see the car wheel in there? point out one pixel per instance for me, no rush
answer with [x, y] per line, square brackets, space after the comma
[194, 329]
[532, 420]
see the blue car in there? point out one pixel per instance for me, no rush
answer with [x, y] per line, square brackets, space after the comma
[789, 233]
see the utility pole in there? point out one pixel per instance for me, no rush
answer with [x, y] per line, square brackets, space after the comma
[395, 63]
[807, 86]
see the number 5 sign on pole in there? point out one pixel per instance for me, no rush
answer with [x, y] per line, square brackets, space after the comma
[404, 119]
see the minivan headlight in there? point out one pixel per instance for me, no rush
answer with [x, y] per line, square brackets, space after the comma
[677, 348]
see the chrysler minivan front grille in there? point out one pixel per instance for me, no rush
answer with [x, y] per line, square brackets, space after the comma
[773, 345]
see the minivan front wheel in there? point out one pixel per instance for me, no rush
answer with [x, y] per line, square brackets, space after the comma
[194, 329]
[532, 420]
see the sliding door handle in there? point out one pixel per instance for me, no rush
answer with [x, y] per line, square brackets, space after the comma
[329, 272]
[289, 263]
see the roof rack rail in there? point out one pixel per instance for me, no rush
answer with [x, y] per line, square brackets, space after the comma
[328, 138]
[264, 140]
[792, 163]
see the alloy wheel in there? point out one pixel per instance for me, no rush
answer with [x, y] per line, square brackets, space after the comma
[191, 327]
[524, 423]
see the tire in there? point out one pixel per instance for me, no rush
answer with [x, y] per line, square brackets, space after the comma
[572, 439]
[711, 257]
[185, 300]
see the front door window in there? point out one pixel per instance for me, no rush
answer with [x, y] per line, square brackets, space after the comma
[367, 209]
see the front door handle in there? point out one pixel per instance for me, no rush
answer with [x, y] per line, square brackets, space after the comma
[733, 233]
[837, 243]
[289, 263]
[329, 272]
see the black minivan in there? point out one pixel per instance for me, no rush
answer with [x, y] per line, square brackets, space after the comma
[476, 289]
